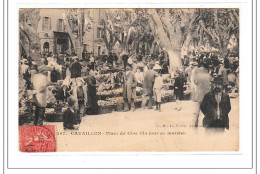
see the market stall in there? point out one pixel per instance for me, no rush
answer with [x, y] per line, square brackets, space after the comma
[109, 94]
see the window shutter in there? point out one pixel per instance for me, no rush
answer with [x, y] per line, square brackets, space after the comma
[43, 23]
[58, 28]
[50, 23]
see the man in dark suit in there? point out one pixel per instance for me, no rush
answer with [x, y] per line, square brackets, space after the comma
[216, 106]
[75, 68]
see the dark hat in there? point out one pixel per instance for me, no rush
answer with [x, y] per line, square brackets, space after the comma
[218, 79]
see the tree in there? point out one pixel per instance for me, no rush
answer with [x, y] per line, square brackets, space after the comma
[178, 28]
[29, 38]
[218, 26]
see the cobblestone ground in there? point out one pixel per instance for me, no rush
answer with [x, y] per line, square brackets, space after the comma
[148, 130]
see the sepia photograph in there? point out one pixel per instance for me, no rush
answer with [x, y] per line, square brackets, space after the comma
[128, 79]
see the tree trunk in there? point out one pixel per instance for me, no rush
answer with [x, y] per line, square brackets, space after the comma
[173, 47]
[69, 30]
[174, 59]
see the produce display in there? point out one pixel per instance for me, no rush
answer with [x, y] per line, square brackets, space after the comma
[109, 94]
[114, 92]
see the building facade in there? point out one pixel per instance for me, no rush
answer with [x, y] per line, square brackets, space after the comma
[52, 34]
[59, 36]
[93, 37]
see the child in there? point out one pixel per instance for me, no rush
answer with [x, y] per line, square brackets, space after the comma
[178, 88]
[157, 87]
[69, 115]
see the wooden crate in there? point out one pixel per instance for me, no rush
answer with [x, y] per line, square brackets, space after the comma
[54, 117]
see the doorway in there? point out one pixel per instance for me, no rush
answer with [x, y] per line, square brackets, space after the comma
[46, 47]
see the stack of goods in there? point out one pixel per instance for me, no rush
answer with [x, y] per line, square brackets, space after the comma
[167, 95]
[107, 70]
[55, 113]
[168, 84]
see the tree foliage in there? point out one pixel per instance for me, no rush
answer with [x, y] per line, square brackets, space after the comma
[125, 26]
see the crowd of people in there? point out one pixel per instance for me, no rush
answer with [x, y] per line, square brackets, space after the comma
[78, 86]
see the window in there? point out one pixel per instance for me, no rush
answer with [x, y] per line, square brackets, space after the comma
[99, 50]
[46, 23]
[60, 26]
[99, 32]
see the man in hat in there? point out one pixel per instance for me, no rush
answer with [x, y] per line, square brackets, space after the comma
[40, 83]
[178, 87]
[129, 88]
[223, 70]
[110, 58]
[216, 106]
[149, 78]
[124, 57]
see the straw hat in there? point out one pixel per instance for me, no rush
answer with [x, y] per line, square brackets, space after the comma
[157, 67]
[195, 63]
[130, 61]
[80, 79]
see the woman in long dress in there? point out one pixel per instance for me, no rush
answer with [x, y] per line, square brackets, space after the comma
[92, 106]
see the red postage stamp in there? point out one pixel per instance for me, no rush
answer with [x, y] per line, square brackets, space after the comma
[37, 138]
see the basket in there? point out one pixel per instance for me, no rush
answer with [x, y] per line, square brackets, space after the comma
[170, 98]
[138, 104]
[105, 109]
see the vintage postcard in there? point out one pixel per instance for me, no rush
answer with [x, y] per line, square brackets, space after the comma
[145, 80]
